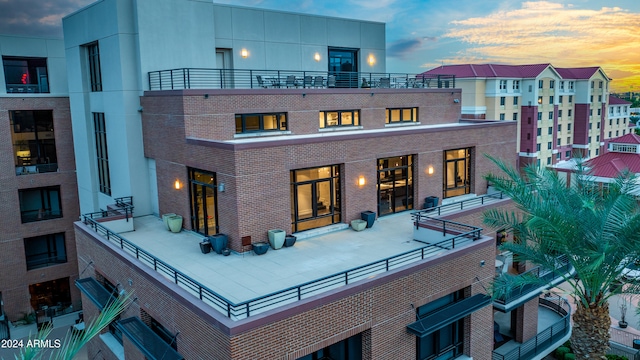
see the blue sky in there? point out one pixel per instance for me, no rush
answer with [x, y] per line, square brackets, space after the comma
[422, 34]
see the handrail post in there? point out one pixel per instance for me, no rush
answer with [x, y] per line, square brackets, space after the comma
[299, 293]
[171, 77]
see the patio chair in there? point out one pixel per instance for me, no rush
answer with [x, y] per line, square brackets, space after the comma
[385, 82]
[261, 82]
[291, 81]
[331, 81]
[411, 83]
[318, 82]
[307, 82]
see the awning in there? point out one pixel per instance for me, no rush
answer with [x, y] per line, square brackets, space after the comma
[95, 291]
[151, 345]
[448, 314]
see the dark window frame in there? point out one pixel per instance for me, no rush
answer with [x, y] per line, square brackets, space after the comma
[413, 111]
[37, 137]
[33, 81]
[323, 118]
[45, 210]
[456, 329]
[102, 153]
[95, 70]
[461, 181]
[45, 250]
[242, 128]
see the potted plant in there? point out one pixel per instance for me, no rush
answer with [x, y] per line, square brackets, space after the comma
[358, 225]
[165, 220]
[218, 242]
[276, 238]
[289, 240]
[175, 223]
[623, 313]
[260, 248]
[205, 246]
[369, 217]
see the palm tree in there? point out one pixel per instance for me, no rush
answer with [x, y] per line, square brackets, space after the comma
[74, 341]
[596, 227]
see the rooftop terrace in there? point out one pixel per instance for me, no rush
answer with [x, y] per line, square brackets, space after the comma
[243, 284]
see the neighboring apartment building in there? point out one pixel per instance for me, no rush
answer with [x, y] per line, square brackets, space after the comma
[244, 120]
[618, 118]
[39, 201]
[559, 110]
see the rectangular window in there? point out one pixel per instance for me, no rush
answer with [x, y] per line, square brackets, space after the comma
[559, 127]
[599, 98]
[599, 112]
[552, 83]
[95, 72]
[248, 123]
[597, 152]
[562, 85]
[515, 100]
[537, 147]
[570, 88]
[516, 85]
[592, 84]
[401, 115]
[567, 154]
[503, 100]
[339, 118]
[569, 113]
[540, 84]
[102, 153]
[570, 99]
[560, 99]
[624, 148]
[40, 204]
[25, 74]
[559, 114]
[558, 142]
[539, 131]
[569, 127]
[550, 115]
[503, 85]
[609, 134]
[568, 140]
[590, 112]
[617, 121]
[539, 100]
[448, 341]
[502, 117]
[45, 250]
[549, 160]
[558, 156]
[551, 99]
[34, 143]
[515, 116]
[540, 116]
[598, 138]
[600, 85]
[549, 145]
[591, 98]
[550, 130]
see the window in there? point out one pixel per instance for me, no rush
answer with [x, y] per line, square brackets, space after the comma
[568, 140]
[540, 116]
[114, 329]
[549, 145]
[598, 138]
[502, 100]
[401, 115]
[589, 141]
[203, 201]
[609, 134]
[610, 122]
[624, 148]
[590, 112]
[569, 127]
[448, 341]
[590, 125]
[617, 133]
[599, 98]
[530, 88]
[539, 131]
[611, 110]
[552, 83]
[549, 160]
[503, 85]
[339, 118]
[515, 100]
[600, 84]
[562, 86]
[550, 115]
[40, 204]
[34, 144]
[567, 154]
[537, 147]
[540, 84]
[617, 121]
[592, 84]
[540, 100]
[502, 117]
[95, 72]
[558, 142]
[515, 116]
[591, 98]
[550, 99]
[516, 85]
[559, 114]
[570, 88]
[558, 156]
[347, 349]
[559, 127]
[550, 130]
[457, 174]
[102, 153]
[560, 99]
[570, 99]
[569, 113]
[25, 74]
[248, 123]
[597, 152]
[599, 112]
[46, 250]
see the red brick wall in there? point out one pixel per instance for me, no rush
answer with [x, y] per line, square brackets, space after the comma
[14, 277]
[257, 173]
[379, 308]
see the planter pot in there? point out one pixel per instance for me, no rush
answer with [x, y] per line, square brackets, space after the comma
[175, 223]
[369, 217]
[358, 225]
[205, 247]
[165, 219]
[623, 324]
[260, 248]
[226, 252]
[289, 240]
[219, 242]
[276, 238]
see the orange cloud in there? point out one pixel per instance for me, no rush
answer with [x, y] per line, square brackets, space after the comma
[544, 31]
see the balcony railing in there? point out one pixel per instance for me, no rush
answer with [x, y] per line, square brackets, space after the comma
[195, 78]
[36, 169]
[247, 308]
[461, 205]
[546, 338]
[545, 276]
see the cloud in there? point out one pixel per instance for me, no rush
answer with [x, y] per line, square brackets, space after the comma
[405, 47]
[545, 31]
[36, 17]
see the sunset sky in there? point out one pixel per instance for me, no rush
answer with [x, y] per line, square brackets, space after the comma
[422, 34]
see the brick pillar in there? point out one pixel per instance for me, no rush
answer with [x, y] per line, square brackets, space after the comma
[366, 344]
[524, 321]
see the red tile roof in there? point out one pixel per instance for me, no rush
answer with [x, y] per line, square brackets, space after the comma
[630, 138]
[617, 101]
[612, 164]
[577, 73]
[489, 70]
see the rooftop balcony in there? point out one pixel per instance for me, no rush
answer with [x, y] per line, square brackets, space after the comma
[240, 285]
[194, 78]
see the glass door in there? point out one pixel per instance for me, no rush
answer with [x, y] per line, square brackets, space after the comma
[343, 64]
[395, 184]
[203, 202]
[315, 197]
[457, 172]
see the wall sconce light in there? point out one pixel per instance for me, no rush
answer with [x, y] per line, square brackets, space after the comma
[316, 57]
[221, 187]
[244, 53]
[371, 60]
[361, 181]
[430, 170]
[177, 185]
[456, 100]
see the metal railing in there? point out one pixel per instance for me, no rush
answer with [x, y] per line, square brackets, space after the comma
[544, 339]
[461, 205]
[546, 276]
[124, 205]
[623, 350]
[198, 78]
[289, 295]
